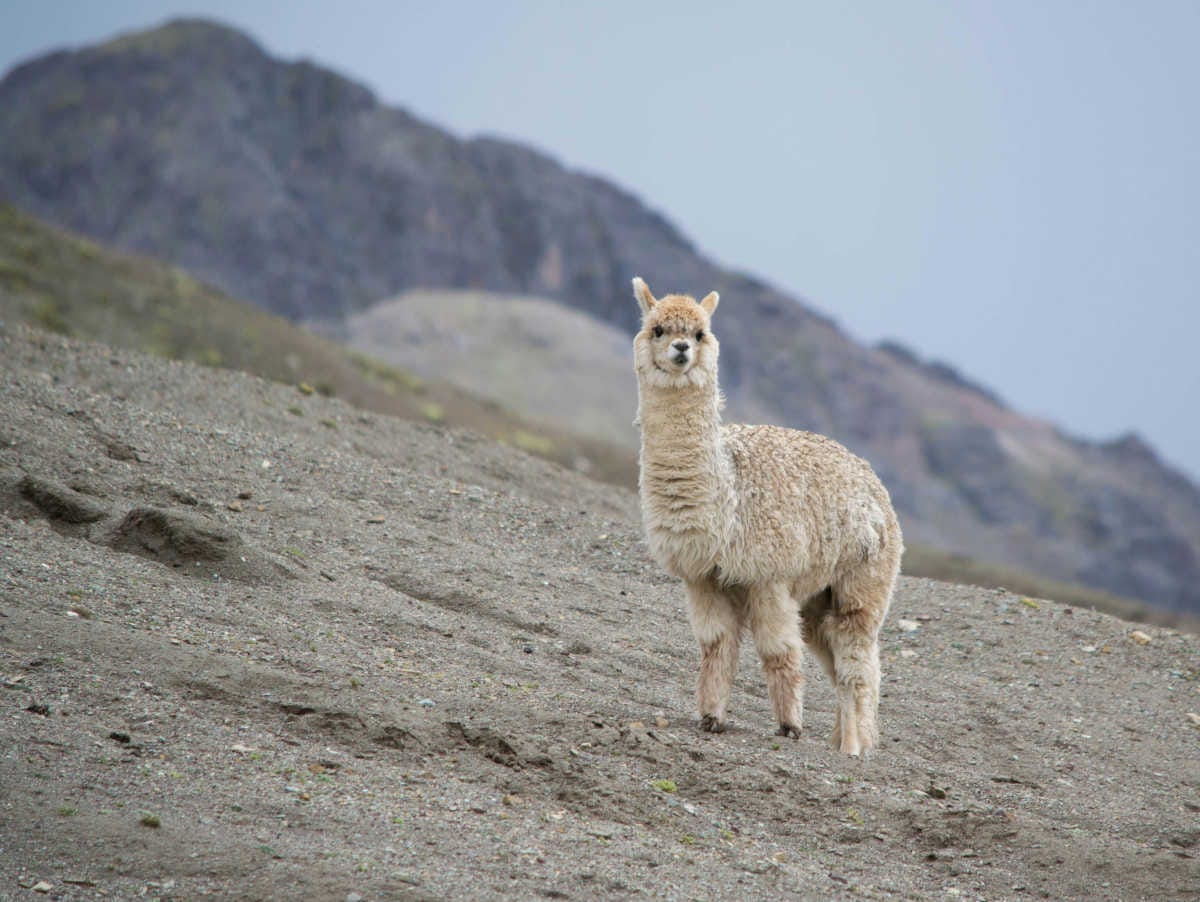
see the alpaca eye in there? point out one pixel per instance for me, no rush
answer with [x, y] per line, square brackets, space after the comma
[658, 330]
[700, 335]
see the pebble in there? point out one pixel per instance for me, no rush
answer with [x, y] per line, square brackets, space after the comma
[426, 703]
[1139, 637]
[908, 626]
[1194, 718]
[907, 653]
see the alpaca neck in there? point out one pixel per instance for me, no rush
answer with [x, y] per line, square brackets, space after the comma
[680, 424]
[686, 478]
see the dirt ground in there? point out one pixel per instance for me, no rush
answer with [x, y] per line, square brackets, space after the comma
[255, 644]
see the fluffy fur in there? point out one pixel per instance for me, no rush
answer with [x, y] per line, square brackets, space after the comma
[761, 523]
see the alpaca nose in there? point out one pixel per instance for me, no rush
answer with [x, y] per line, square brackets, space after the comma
[680, 346]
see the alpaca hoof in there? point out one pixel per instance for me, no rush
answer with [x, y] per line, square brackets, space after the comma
[851, 748]
[787, 729]
[710, 724]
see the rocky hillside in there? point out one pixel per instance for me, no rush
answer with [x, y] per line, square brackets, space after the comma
[293, 186]
[503, 348]
[245, 654]
[58, 281]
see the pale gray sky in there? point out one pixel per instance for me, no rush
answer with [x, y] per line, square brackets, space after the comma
[1011, 187]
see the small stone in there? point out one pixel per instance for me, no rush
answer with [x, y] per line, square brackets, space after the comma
[306, 389]
[1194, 718]
[42, 887]
[512, 800]
[245, 494]
[426, 703]
[375, 519]
[661, 722]
[908, 626]
[235, 506]
[1139, 637]
[907, 653]
[354, 897]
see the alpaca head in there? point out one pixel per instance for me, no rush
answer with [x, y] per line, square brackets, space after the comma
[675, 347]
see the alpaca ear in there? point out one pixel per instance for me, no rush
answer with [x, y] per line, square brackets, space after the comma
[710, 302]
[641, 291]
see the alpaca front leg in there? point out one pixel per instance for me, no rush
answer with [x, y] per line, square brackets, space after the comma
[774, 624]
[717, 628]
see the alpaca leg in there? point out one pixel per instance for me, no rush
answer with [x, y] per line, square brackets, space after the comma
[813, 614]
[776, 630]
[717, 627]
[851, 632]
[856, 685]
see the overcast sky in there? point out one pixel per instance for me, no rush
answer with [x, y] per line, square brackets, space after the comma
[1011, 187]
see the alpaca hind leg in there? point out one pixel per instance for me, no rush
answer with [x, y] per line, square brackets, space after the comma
[717, 626]
[813, 613]
[851, 633]
[771, 613]
[856, 686]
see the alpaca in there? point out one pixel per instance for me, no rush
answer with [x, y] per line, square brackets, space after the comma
[766, 526]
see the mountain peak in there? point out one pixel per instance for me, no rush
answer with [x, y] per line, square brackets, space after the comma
[179, 35]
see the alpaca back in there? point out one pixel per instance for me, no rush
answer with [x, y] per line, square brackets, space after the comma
[807, 508]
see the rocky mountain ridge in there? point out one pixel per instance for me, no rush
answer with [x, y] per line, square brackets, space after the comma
[291, 186]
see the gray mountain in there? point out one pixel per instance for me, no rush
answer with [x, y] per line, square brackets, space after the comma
[291, 186]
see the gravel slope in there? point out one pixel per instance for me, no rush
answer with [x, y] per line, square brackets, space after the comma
[257, 644]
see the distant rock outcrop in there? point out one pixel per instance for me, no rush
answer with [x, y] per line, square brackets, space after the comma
[293, 187]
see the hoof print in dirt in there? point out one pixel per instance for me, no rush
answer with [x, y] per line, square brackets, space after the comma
[394, 737]
[192, 544]
[60, 504]
[498, 748]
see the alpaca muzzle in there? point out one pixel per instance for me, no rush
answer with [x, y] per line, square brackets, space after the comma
[683, 353]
